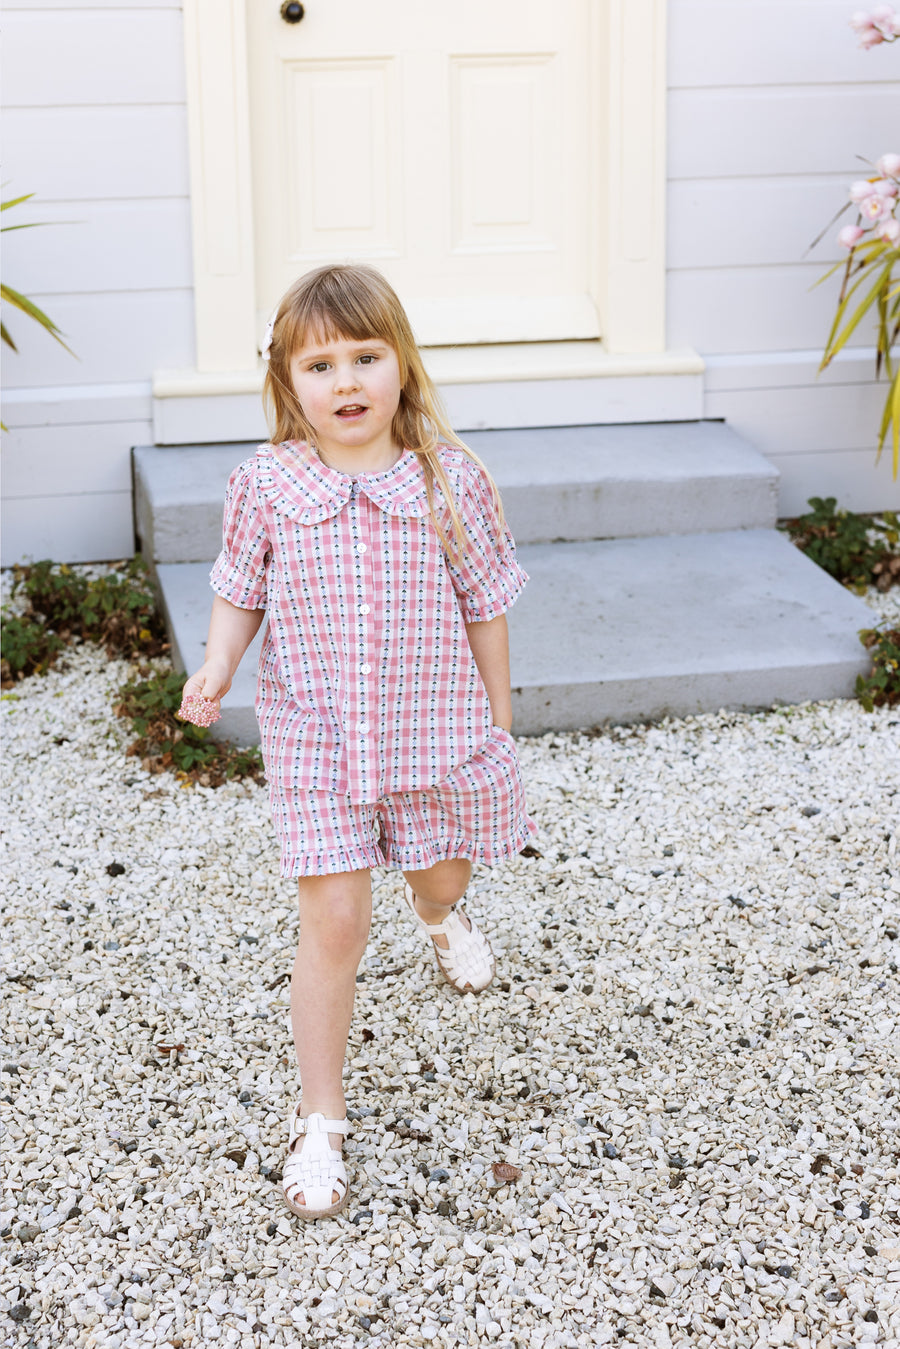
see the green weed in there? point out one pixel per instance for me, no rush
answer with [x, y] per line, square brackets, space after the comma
[882, 687]
[28, 647]
[164, 742]
[857, 550]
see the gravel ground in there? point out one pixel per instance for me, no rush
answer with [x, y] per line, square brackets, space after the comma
[690, 1052]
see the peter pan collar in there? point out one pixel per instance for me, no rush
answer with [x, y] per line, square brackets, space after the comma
[294, 482]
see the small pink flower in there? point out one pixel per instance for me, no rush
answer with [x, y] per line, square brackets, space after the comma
[876, 208]
[889, 166]
[850, 236]
[861, 190]
[890, 232]
[885, 187]
[860, 21]
[870, 38]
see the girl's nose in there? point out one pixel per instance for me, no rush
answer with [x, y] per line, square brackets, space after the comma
[346, 378]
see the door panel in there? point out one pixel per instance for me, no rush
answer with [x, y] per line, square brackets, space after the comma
[449, 146]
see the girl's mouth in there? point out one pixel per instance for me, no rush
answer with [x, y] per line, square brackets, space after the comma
[352, 410]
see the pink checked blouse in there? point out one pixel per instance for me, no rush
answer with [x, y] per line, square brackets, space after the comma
[367, 683]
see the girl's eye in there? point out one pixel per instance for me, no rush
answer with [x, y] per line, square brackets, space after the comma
[320, 367]
[366, 360]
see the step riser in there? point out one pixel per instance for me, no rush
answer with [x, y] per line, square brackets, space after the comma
[563, 483]
[576, 707]
[631, 630]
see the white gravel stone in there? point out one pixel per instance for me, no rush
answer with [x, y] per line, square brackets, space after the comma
[690, 1050]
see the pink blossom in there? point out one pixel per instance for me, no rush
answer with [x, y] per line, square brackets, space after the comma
[850, 236]
[876, 208]
[889, 166]
[885, 187]
[861, 190]
[890, 232]
[885, 19]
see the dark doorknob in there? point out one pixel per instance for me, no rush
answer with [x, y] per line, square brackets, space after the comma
[292, 12]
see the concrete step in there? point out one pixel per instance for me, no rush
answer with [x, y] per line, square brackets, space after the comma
[632, 629]
[558, 483]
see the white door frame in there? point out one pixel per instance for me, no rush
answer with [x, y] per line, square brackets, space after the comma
[628, 268]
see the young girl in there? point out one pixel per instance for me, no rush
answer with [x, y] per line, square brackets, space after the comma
[373, 543]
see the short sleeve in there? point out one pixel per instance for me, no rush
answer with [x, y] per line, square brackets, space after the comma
[486, 576]
[239, 572]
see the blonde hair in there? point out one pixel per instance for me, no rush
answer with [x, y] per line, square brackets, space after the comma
[354, 302]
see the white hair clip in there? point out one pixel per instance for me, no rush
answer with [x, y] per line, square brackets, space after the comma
[266, 348]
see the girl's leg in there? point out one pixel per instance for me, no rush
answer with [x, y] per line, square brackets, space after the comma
[335, 914]
[438, 889]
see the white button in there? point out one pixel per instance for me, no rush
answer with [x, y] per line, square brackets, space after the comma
[366, 669]
[360, 547]
[363, 728]
[365, 608]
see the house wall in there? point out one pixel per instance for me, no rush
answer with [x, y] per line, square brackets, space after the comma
[771, 105]
[101, 140]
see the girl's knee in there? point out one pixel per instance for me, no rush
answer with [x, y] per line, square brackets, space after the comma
[444, 883]
[336, 912]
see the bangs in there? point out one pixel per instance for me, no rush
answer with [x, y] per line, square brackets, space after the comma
[353, 304]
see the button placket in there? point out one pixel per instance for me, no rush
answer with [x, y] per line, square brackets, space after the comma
[361, 728]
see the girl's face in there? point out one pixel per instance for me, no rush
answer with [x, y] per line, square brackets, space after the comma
[349, 392]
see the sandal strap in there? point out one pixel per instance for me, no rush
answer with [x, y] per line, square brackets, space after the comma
[317, 1172]
[443, 929]
[467, 961]
[315, 1123]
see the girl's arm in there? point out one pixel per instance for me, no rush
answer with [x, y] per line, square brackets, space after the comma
[231, 630]
[490, 647]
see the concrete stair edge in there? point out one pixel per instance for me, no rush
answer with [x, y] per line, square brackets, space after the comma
[779, 630]
[564, 483]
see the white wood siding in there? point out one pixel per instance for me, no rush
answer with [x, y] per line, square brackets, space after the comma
[771, 106]
[95, 126]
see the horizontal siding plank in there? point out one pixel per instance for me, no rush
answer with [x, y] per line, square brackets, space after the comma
[117, 338]
[720, 43]
[739, 309]
[789, 369]
[847, 475]
[85, 404]
[56, 58]
[746, 132]
[83, 528]
[74, 459]
[102, 247]
[805, 420]
[754, 222]
[83, 154]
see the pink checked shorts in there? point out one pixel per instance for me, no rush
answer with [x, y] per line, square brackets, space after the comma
[477, 811]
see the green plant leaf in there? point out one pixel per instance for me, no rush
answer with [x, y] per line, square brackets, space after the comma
[861, 310]
[19, 301]
[891, 418]
[830, 349]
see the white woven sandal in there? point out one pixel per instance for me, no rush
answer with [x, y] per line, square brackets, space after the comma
[468, 961]
[317, 1171]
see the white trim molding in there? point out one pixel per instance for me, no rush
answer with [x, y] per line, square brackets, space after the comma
[215, 43]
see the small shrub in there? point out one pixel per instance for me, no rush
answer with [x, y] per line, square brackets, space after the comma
[882, 687]
[117, 609]
[857, 550]
[28, 648]
[164, 742]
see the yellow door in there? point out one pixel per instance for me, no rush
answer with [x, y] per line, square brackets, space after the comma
[451, 145]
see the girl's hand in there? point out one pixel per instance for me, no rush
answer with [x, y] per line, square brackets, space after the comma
[212, 680]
